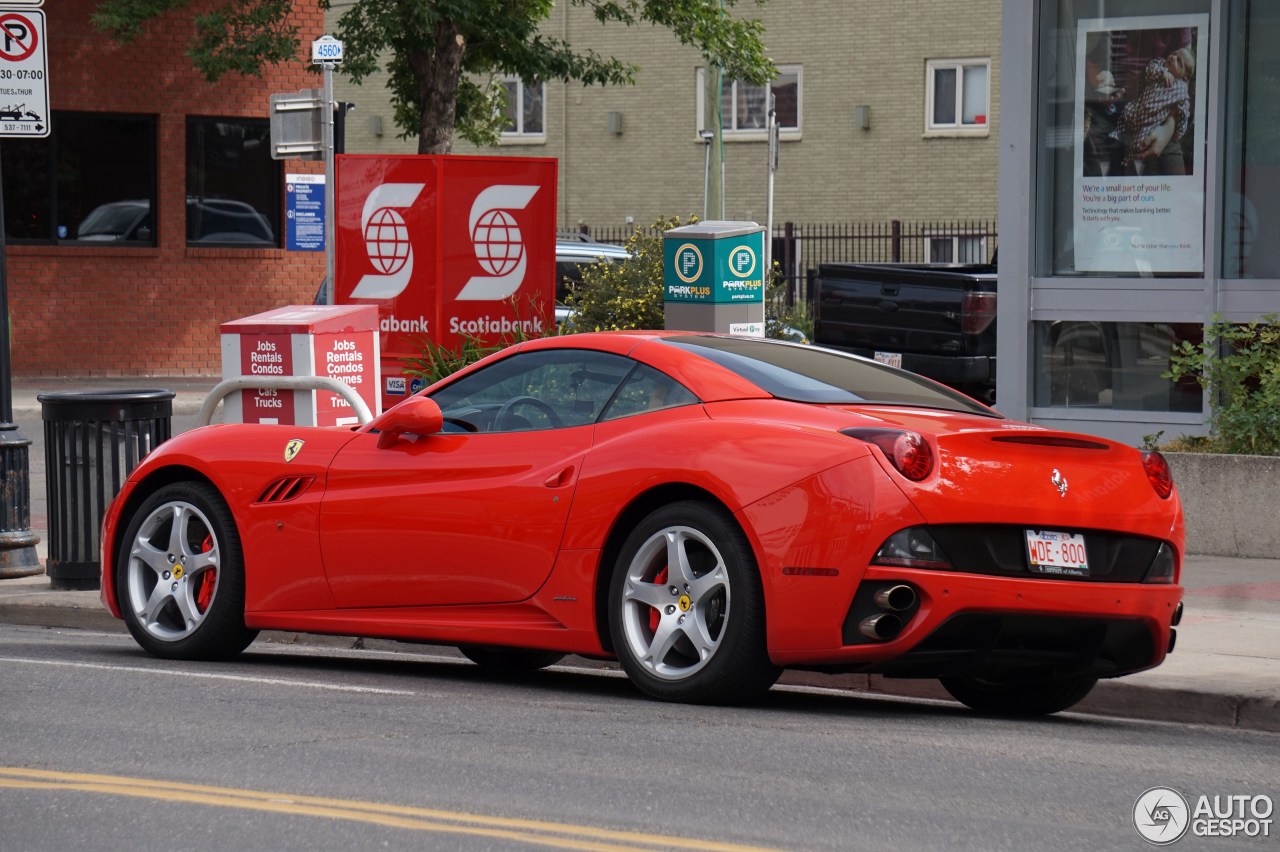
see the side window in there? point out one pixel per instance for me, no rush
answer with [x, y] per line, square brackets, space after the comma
[568, 276]
[646, 389]
[548, 389]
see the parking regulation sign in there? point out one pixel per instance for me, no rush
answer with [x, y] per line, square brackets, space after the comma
[24, 90]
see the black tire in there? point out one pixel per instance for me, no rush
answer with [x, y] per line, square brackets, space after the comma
[1018, 699]
[510, 659]
[180, 575]
[712, 629]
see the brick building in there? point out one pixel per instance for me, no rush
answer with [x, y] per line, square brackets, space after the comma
[153, 212]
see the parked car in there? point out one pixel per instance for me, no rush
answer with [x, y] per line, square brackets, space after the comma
[934, 319]
[208, 220]
[707, 509]
[573, 254]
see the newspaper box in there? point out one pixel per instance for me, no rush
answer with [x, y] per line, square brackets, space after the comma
[335, 341]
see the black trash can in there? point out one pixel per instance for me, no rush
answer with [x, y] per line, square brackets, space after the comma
[92, 440]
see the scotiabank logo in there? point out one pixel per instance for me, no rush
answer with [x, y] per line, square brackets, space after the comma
[386, 239]
[498, 242]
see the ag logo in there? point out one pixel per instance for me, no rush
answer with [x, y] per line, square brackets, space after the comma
[498, 242]
[386, 239]
[1161, 816]
[292, 449]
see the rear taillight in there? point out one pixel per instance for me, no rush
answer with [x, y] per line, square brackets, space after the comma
[1158, 473]
[977, 312]
[908, 451]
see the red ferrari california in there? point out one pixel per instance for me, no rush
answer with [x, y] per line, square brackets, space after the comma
[706, 509]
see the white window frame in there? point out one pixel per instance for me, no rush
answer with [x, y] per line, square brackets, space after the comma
[957, 128]
[519, 136]
[731, 133]
[954, 238]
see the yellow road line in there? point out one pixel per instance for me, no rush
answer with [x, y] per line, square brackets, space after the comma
[559, 835]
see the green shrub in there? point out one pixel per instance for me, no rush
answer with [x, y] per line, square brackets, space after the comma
[624, 294]
[1239, 364]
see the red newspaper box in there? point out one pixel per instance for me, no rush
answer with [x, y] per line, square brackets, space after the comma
[336, 341]
[448, 248]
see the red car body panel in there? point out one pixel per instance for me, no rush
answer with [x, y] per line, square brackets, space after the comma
[500, 539]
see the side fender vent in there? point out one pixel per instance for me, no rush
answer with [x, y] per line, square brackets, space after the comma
[285, 488]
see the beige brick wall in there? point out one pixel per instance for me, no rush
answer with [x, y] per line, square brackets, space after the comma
[853, 52]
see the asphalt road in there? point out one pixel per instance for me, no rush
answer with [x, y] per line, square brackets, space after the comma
[315, 748]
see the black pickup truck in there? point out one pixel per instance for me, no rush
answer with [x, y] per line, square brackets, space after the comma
[934, 319]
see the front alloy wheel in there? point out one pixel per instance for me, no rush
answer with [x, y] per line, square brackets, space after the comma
[687, 609]
[180, 575]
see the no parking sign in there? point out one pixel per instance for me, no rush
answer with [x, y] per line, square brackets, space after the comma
[24, 90]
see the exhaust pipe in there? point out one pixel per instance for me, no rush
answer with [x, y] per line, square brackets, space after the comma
[897, 598]
[881, 627]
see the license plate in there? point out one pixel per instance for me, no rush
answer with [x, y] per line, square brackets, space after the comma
[1059, 553]
[893, 359]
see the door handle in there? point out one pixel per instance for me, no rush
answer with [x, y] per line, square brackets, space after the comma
[564, 477]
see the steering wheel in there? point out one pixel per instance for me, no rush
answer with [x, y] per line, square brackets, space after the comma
[510, 405]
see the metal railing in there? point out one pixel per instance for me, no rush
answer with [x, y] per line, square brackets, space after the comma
[798, 248]
[228, 386]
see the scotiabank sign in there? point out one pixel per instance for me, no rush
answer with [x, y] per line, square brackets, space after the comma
[446, 247]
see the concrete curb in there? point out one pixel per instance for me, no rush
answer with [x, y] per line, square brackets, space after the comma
[1125, 698]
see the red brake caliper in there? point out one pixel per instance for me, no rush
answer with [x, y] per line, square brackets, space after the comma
[654, 615]
[205, 595]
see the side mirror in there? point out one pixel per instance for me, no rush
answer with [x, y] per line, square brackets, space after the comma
[417, 415]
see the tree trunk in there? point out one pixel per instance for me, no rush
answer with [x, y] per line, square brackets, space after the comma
[438, 72]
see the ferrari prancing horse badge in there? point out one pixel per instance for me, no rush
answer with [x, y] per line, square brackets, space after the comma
[292, 449]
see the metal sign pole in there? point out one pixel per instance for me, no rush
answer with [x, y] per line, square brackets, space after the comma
[772, 125]
[330, 264]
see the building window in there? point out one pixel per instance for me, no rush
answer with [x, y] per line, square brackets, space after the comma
[92, 180]
[1122, 140]
[955, 248]
[745, 107]
[233, 184]
[526, 114]
[1113, 365]
[1251, 203]
[956, 94]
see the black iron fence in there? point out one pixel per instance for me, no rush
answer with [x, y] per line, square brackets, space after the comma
[799, 248]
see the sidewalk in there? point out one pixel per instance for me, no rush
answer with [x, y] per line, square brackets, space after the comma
[1225, 669]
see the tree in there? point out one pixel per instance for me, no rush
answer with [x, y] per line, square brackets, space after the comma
[442, 55]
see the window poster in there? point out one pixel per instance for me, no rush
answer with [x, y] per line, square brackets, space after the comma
[1139, 146]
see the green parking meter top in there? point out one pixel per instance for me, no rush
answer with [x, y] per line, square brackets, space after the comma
[714, 262]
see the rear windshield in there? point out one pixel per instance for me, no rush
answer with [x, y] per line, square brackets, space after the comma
[813, 374]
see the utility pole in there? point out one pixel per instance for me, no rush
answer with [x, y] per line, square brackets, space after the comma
[713, 122]
[17, 540]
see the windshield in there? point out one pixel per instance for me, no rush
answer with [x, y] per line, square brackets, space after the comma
[813, 374]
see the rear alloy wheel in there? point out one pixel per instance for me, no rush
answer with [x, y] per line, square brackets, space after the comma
[686, 609]
[180, 576]
[1018, 699]
[510, 659]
